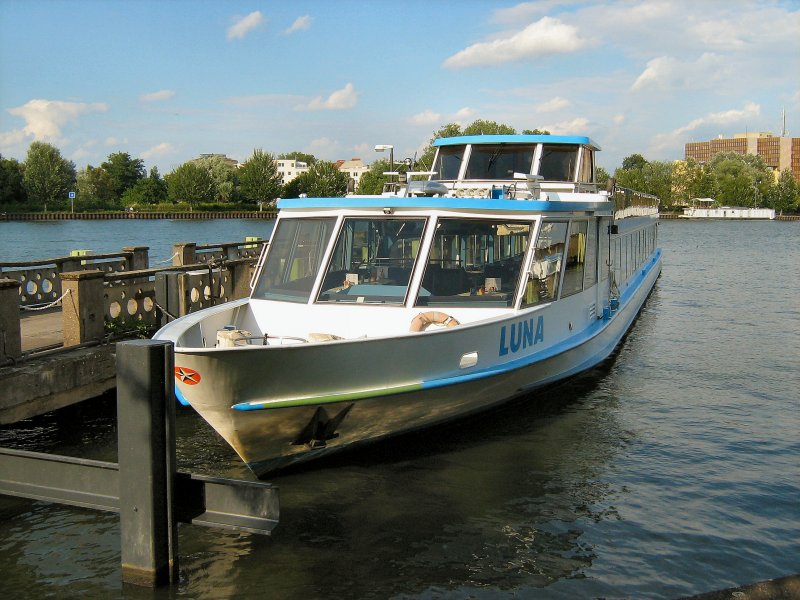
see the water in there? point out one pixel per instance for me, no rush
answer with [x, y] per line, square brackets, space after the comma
[672, 469]
[33, 240]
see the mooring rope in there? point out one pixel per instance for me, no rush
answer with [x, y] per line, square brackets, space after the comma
[169, 260]
[46, 306]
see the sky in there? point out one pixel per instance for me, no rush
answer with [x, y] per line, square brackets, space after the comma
[166, 81]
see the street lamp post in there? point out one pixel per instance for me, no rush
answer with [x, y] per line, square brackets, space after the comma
[390, 148]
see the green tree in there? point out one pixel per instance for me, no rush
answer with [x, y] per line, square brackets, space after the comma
[259, 180]
[124, 171]
[740, 180]
[601, 176]
[96, 189]
[223, 173]
[309, 159]
[634, 161]
[48, 177]
[483, 127]
[191, 183]
[785, 194]
[372, 181]
[150, 190]
[323, 180]
[649, 177]
[535, 132]
[12, 190]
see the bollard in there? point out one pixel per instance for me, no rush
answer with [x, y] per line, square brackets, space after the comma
[84, 307]
[10, 336]
[184, 253]
[146, 413]
[140, 259]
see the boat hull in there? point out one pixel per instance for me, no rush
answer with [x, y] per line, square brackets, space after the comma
[275, 408]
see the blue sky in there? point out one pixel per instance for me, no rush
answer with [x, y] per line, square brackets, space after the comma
[168, 80]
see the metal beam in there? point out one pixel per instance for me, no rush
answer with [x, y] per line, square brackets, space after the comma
[210, 501]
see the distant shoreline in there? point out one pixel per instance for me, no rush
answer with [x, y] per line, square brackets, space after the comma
[112, 215]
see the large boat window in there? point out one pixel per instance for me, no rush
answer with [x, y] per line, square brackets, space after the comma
[548, 257]
[488, 161]
[558, 162]
[474, 262]
[372, 261]
[575, 261]
[448, 162]
[295, 253]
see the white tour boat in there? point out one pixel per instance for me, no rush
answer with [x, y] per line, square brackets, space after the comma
[375, 315]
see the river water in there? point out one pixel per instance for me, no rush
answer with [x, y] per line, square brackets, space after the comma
[670, 470]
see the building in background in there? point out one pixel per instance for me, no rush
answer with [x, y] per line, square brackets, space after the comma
[353, 168]
[288, 169]
[779, 153]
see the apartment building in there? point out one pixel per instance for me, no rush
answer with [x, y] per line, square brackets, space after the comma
[288, 169]
[779, 153]
[353, 168]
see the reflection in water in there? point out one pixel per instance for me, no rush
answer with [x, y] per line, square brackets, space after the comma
[497, 501]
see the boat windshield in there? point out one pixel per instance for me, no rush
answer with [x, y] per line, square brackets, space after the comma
[558, 162]
[499, 161]
[474, 262]
[294, 258]
[448, 162]
[372, 261]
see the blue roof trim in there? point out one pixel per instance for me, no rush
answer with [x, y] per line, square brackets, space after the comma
[443, 203]
[516, 139]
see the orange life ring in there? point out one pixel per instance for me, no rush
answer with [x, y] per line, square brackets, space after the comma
[423, 320]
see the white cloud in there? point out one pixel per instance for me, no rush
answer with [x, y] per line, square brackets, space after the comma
[157, 96]
[618, 119]
[299, 24]
[45, 118]
[525, 11]
[666, 72]
[464, 113]
[323, 147]
[553, 104]
[677, 137]
[426, 117]
[544, 37]
[244, 25]
[338, 100]
[574, 126]
[157, 151]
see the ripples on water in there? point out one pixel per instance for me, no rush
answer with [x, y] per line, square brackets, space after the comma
[670, 470]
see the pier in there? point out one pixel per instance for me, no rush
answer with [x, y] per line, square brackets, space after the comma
[125, 214]
[61, 317]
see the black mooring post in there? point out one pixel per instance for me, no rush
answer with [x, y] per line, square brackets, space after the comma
[146, 432]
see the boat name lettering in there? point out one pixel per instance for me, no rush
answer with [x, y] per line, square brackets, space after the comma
[523, 334]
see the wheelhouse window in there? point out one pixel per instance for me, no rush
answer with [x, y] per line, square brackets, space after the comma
[474, 262]
[295, 254]
[499, 161]
[448, 162]
[372, 261]
[558, 162]
[548, 259]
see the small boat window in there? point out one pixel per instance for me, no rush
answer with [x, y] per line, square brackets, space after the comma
[448, 162]
[558, 162]
[499, 161]
[372, 261]
[474, 262]
[293, 261]
[545, 271]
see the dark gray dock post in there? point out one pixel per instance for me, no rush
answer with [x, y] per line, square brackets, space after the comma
[146, 418]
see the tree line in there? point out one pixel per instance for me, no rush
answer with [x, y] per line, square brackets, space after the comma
[44, 179]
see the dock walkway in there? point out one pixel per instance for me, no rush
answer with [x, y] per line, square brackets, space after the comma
[41, 329]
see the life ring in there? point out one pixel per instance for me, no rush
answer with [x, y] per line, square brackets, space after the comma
[423, 320]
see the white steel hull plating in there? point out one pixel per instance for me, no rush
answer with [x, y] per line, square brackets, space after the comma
[281, 405]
